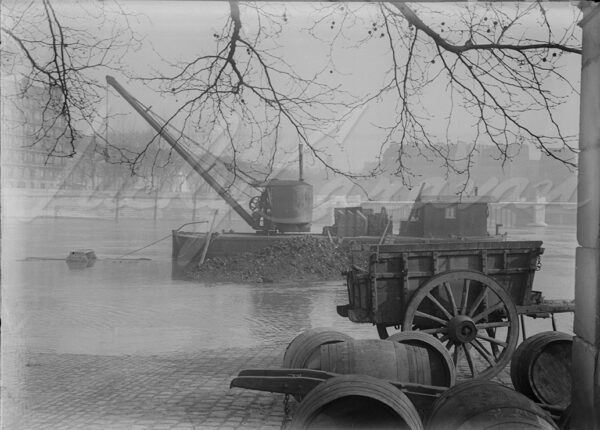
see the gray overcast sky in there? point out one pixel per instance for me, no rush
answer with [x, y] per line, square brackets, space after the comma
[177, 30]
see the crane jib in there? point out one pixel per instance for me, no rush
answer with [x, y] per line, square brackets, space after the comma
[161, 129]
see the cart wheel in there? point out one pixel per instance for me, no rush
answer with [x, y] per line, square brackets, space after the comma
[472, 315]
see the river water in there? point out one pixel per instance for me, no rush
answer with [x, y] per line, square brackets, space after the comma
[132, 307]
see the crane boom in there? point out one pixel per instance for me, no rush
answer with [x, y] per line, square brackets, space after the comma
[162, 131]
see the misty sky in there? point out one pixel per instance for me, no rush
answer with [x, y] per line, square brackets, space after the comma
[181, 30]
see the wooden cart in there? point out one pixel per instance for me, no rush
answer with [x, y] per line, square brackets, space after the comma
[467, 294]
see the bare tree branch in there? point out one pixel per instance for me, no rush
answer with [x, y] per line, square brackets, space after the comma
[247, 87]
[44, 49]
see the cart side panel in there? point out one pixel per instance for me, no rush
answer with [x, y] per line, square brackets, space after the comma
[388, 301]
[505, 267]
[387, 292]
[460, 260]
[359, 295]
[515, 270]
[395, 277]
[513, 284]
[396, 272]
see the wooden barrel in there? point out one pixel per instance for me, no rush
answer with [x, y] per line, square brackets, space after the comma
[442, 367]
[481, 404]
[381, 359]
[358, 402]
[541, 368]
[303, 351]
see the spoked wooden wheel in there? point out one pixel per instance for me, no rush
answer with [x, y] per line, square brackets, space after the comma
[472, 315]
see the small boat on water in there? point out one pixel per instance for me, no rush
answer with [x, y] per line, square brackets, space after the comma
[81, 258]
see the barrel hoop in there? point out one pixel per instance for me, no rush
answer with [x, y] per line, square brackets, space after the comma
[433, 345]
[303, 346]
[422, 366]
[403, 364]
[355, 385]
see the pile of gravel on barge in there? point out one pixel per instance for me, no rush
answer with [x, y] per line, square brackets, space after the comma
[307, 258]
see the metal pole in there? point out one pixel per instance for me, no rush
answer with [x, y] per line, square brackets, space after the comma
[385, 232]
[300, 162]
[523, 327]
[208, 238]
[194, 197]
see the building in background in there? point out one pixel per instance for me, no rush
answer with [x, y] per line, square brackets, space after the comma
[25, 160]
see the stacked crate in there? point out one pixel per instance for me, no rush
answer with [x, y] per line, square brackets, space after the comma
[350, 222]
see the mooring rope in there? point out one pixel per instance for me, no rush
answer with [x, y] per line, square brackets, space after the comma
[124, 255]
[161, 239]
[143, 247]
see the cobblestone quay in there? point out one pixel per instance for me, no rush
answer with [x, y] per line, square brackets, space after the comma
[73, 391]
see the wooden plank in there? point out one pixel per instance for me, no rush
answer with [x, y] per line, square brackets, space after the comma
[288, 372]
[426, 390]
[459, 245]
[295, 385]
[517, 270]
[383, 257]
[419, 275]
[547, 307]
[387, 275]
